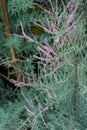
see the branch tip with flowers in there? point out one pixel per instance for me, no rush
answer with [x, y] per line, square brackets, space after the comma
[48, 55]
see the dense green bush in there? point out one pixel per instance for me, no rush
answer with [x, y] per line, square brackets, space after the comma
[49, 40]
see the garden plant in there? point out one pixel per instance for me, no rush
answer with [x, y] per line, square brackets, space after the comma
[43, 59]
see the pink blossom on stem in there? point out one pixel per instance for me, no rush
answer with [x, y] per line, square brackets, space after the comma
[71, 16]
[72, 30]
[56, 59]
[49, 54]
[48, 58]
[40, 49]
[70, 5]
[56, 40]
[63, 41]
[49, 24]
[49, 49]
[46, 42]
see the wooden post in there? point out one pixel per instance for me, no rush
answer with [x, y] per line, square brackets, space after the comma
[8, 33]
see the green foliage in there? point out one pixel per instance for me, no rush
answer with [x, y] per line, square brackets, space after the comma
[16, 7]
[58, 101]
[14, 43]
[10, 115]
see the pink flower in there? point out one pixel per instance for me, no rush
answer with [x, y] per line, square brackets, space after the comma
[63, 41]
[49, 53]
[71, 16]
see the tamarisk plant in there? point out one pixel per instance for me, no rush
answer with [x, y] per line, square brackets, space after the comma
[61, 29]
[57, 98]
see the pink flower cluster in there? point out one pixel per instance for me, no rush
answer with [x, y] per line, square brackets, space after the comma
[49, 54]
[71, 24]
